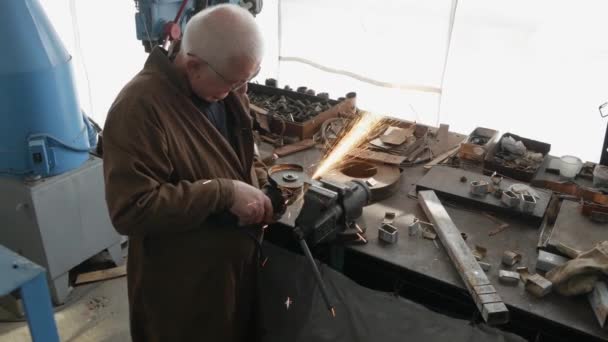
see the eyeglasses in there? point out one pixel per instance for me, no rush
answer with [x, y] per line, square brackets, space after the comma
[233, 84]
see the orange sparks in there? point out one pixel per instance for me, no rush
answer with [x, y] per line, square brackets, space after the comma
[354, 138]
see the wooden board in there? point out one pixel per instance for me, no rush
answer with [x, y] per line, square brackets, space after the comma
[295, 147]
[489, 303]
[110, 273]
[380, 157]
[441, 144]
[446, 182]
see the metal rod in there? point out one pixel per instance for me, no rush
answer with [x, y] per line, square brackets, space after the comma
[315, 270]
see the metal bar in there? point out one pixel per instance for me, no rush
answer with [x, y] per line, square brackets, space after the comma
[38, 309]
[492, 309]
[315, 270]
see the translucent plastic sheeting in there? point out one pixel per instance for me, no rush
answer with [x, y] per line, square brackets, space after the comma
[397, 43]
[537, 69]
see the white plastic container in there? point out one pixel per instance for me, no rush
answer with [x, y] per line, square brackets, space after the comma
[570, 166]
[600, 176]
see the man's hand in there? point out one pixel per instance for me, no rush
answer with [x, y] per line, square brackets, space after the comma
[250, 204]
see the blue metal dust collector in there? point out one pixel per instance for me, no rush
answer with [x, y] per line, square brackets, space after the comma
[42, 131]
[52, 200]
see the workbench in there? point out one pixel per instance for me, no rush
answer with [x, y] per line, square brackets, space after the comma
[420, 269]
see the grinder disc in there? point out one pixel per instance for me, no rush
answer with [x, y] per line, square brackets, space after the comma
[290, 176]
[382, 179]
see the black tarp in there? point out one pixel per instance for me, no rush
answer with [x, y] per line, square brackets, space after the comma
[362, 314]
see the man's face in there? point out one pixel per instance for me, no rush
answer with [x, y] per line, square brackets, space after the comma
[212, 84]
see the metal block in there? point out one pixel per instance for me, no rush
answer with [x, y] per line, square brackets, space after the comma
[547, 261]
[598, 299]
[508, 277]
[510, 258]
[524, 274]
[388, 233]
[538, 285]
[528, 203]
[389, 217]
[479, 188]
[414, 229]
[510, 199]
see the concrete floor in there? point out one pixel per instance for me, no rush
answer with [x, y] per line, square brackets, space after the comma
[97, 312]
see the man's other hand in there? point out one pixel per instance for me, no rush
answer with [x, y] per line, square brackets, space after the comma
[250, 205]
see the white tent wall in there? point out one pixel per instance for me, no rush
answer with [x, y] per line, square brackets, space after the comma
[538, 69]
[534, 68]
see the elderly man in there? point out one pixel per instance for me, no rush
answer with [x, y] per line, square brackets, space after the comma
[180, 182]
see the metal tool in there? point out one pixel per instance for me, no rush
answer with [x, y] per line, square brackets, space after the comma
[328, 211]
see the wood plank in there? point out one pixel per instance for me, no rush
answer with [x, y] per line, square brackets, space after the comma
[295, 147]
[441, 144]
[107, 274]
[442, 157]
[489, 303]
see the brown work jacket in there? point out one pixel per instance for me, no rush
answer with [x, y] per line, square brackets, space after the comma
[168, 171]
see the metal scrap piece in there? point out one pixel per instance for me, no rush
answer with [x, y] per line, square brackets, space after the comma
[480, 252]
[510, 199]
[528, 203]
[389, 217]
[524, 274]
[479, 188]
[388, 233]
[429, 235]
[538, 285]
[371, 181]
[547, 261]
[508, 277]
[511, 258]
[414, 228]
[484, 266]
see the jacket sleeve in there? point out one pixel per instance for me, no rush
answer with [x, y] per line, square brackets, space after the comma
[141, 198]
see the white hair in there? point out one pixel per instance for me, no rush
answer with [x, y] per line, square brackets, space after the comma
[220, 33]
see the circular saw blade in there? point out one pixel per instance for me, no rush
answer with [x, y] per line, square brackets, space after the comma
[291, 176]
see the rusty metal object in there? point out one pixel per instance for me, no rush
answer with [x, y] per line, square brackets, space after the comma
[374, 156]
[598, 298]
[479, 188]
[508, 277]
[489, 303]
[388, 233]
[383, 180]
[510, 258]
[538, 285]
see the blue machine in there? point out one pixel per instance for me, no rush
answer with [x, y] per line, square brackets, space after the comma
[154, 19]
[42, 129]
[52, 205]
